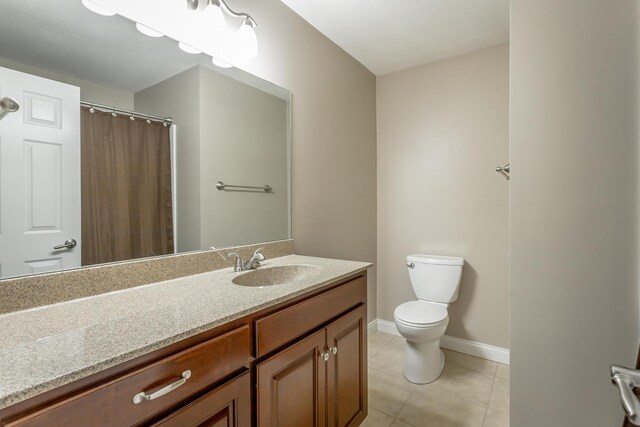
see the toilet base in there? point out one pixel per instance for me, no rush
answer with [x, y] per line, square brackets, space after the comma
[423, 361]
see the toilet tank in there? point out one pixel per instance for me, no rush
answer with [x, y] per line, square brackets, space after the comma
[435, 278]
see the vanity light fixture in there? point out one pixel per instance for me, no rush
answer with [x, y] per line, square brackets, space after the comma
[246, 39]
[239, 46]
[214, 17]
[204, 26]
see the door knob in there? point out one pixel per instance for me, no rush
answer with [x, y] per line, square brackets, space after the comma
[626, 379]
[69, 244]
[8, 105]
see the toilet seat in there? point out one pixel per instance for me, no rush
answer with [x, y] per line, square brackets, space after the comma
[420, 314]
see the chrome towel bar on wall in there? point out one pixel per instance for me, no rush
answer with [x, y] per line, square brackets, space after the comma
[222, 186]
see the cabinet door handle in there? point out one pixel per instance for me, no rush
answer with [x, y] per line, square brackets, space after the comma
[142, 396]
[325, 356]
[334, 350]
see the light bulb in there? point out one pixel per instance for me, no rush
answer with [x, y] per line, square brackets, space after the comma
[192, 4]
[220, 63]
[148, 31]
[96, 8]
[246, 41]
[214, 18]
[186, 48]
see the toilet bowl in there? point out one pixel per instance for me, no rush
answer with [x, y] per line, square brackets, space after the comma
[423, 322]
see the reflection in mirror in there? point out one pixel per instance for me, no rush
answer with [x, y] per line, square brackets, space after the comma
[120, 139]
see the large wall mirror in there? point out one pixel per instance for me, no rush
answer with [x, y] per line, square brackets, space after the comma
[121, 141]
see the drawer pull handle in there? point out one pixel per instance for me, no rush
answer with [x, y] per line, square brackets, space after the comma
[142, 396]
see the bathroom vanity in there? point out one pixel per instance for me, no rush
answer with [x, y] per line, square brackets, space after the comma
[199, 350]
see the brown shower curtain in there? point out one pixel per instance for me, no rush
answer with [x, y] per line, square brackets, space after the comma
[126, 188]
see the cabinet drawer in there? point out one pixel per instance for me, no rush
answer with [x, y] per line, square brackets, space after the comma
[228, 405]
[285, 325]
[112, 403]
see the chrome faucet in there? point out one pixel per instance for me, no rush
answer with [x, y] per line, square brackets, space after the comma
[255, 260]
[250, 264]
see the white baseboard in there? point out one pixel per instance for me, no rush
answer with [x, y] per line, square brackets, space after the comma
[485, 351]
[372, 327]
[387, 327]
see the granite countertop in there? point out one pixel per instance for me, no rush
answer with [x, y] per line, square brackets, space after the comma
[46, 347]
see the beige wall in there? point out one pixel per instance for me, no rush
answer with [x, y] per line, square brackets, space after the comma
[573, 207]
[178, 97]
[334, 135]
[89, 91]
[442, 129]
[243, 133]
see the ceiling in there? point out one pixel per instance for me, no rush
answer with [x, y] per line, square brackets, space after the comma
[392, 35]
[66, 38]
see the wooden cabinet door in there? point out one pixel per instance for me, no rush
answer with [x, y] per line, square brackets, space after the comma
[227, 406]
[292, 385]
[347, 369]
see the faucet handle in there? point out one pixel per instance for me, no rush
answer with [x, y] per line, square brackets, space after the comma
[238, 263]
[257, 255]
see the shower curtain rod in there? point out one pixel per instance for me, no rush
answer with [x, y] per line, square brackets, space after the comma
[129, 113]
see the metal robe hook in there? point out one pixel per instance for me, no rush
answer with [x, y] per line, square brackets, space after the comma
[504, 170]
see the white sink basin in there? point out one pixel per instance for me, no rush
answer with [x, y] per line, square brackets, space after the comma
[278, 275]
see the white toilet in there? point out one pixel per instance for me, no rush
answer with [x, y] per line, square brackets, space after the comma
[435, 280]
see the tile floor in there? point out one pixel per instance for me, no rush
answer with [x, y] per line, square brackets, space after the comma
[471, 392]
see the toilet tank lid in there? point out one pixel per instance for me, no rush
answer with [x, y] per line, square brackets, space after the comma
[435, 259]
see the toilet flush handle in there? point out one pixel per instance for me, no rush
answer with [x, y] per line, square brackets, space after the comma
[412, 265]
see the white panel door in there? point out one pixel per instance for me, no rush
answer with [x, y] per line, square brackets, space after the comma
[39, 175]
